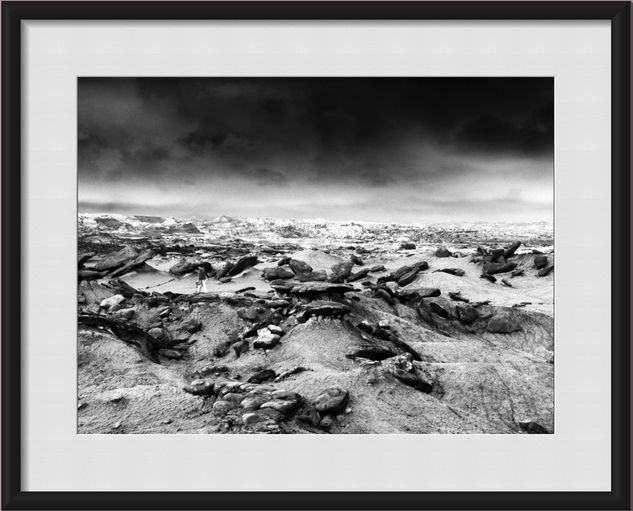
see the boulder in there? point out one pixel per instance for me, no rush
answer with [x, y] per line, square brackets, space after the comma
[378, 268]
[277, 273]
[421, 265]
[225, 270]
[124, 314]
[509, 251]
[545, 271]
[404, 270]
[90, 274]
[134, 263]
[182, 267]
[222, 407]
[443, 252]
[494, 268]
[497, 255]
[407, 246]
[341, 271]
[283, 261]
[541, 261]
[439, 310]
[326, 308]
[466, 314]
[309, 288]
[457, 272]
[284, 402]
[242, 264]
[262, 376]
[156, 333]
[266, 341]
[200, 388]
[412, 380]
[357, 260]
[372, 353]
[112, 301]
[299, 267]
[253, 402]
[457, 297]
[407, 278]
[400, 272]
[115, 260]
[313, 276]
[358, 275]
[490, 278]
[419, 292]
[332, 401]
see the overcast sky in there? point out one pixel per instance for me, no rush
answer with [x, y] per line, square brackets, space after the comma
[409, 150]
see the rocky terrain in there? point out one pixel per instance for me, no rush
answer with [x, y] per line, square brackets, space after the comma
[314, 327]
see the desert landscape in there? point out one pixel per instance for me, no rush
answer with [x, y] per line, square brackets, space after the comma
[314, 326]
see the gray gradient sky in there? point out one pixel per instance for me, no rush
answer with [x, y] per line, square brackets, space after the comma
[408, 150]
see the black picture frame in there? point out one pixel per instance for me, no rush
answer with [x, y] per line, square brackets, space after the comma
[14, 12]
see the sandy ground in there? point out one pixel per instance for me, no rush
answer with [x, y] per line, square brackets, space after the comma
[482, 382]
[538, 291]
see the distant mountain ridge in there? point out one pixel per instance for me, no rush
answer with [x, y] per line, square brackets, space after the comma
[281, 228]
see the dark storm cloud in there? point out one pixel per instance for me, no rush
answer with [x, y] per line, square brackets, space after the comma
[164, 141]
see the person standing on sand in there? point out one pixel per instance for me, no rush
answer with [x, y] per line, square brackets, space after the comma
[202, 280]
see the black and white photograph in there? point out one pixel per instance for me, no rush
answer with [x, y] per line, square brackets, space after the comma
[315, 255]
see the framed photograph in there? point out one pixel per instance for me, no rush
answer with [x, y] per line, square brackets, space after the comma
[315, 255]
